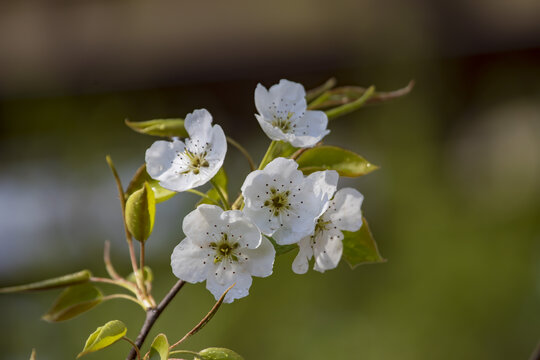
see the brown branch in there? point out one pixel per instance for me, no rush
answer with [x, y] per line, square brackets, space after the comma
[152, 315]
[536, 354]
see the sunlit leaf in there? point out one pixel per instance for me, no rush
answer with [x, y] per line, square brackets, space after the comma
[283, 149]
[141, 176]
[345, 162]
[219, 354]
[66, 280]
[74, 301]
[140, 212]
[160, 127]
[33, 355]
[160, 348]
[104, 336]
[220, 180]
[359, 247]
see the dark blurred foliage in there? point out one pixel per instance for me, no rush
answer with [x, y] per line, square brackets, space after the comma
[454, 207]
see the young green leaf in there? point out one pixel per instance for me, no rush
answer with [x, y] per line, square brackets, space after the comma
[219, 354]
[160, 127]
[345, 162]
[359, 247]
[104, 336]
[61, 281]
[73, 301]
[220, 180]
[160, 348]
[141, 176]
[140, 212]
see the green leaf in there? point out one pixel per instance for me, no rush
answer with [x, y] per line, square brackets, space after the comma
[33, 355]
[140, 212]
[281, 249]
[283, 149]
[219, 354]
[148, 275]
[220, 180]
[359, 247]
[160, 348]
[74, 301]
[66, 280]
[345, 162]
[141, 176]
[104, 336]
[160, 127]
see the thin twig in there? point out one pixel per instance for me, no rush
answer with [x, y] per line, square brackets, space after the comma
[205, 320]
[129, 239]
[107, 260]
[153, 314]
[123, 296]
[243, 151]
[221, 195]
[134, 347]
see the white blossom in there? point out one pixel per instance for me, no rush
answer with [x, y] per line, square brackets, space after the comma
[283, 203]
[326, 242]
[223, 248]
[283, 114]
[182, 166]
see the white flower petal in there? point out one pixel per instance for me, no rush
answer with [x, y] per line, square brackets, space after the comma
[241, 229]
[345, 210]
[188, 261]
[241, 289]
[328, 248]
[301, 261]
[201, 224]
[323, 185]
[290, 235]
[271, 131]
[288, 90]
[180, 166]
[261, 259]
[160, 156]
[310, 129]
[199, 124]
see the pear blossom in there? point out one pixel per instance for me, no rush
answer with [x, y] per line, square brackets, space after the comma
[326, 242]
[223, 248]
[283, 203]
[182, 166]
[283, 114]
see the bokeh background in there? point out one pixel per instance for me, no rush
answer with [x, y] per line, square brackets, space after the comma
[455, 206]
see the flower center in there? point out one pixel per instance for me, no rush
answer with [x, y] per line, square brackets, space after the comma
[321, 225]
[224, 249]
[278, 201]
[284, 124]
[195, 161]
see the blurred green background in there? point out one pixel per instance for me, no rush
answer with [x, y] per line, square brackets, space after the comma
[455, 206]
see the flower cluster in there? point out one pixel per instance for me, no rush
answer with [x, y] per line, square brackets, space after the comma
[225, 247]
